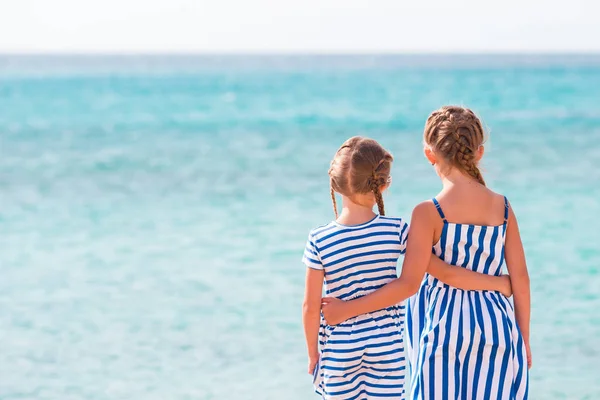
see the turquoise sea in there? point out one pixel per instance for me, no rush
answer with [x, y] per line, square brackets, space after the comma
[154, 210]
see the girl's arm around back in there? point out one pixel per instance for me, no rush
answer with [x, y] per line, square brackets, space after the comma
[416, 261]
[311, 314]
[465, 279]
[517, 268]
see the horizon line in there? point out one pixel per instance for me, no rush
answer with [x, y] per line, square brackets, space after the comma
[304, 53]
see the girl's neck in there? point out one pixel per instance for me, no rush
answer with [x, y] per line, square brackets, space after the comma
[354, 213]
[455, 178]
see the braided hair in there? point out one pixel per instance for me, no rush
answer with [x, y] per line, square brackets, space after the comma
[361, 165]
[456, 134]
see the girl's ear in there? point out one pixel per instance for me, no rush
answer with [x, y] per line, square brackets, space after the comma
[429, 155]
[479, 153]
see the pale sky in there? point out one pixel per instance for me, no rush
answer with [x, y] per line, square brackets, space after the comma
[299, 26]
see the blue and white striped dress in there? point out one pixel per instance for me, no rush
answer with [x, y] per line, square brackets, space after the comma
[363, 357]
[466, 344]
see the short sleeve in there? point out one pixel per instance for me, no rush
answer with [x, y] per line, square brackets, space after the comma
[403, 233]
[311, 256]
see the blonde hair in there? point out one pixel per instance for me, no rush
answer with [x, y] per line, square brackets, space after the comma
[361, 165]
[455, 133]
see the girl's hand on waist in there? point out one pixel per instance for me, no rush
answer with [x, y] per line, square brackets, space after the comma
[334, 310]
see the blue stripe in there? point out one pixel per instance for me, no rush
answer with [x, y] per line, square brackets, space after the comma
[522, 361]
[368, 319]
[364, 347]
[468, 245]
[384, 371]
[384, 353]
[342, 231]
[358, 246]
[387, 279]
[442, 256]
[358, 331]
[354, 238]
[403, 242]
[365, 375]
[359, 290]
[324, 228]
[363, 254]
[432, 358]
[481, 350]
[310, 251]
[422, 310]
[362, 339]
[494, 348]
[361, 263]
[409, 316]
[507, 348]
[420, 385]
[465, 368]
[455, 249]
[446, 343]
[459, 344]
[443, 239]
[361, 272]
[479, 247]
[369, 395]
[322, 340]
[312, 261]
[370, 385]
[409, 325]
[386, 218]
[501, 262]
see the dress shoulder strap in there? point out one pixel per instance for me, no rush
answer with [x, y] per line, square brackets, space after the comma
[505, 210]
[439, 209]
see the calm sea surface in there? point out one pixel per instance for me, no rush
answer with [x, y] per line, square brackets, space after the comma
[153, 210]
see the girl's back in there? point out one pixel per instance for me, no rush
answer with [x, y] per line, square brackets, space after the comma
[475, 205]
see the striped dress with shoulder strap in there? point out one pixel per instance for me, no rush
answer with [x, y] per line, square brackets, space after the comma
[465, 344]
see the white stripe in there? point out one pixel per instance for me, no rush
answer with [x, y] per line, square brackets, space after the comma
[453, 344]
[463, 308]
[497, 315]
[475, 345]
[461, 246]
[499, 249]
[485, 365]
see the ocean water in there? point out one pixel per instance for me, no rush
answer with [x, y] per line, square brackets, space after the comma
[154, 210]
